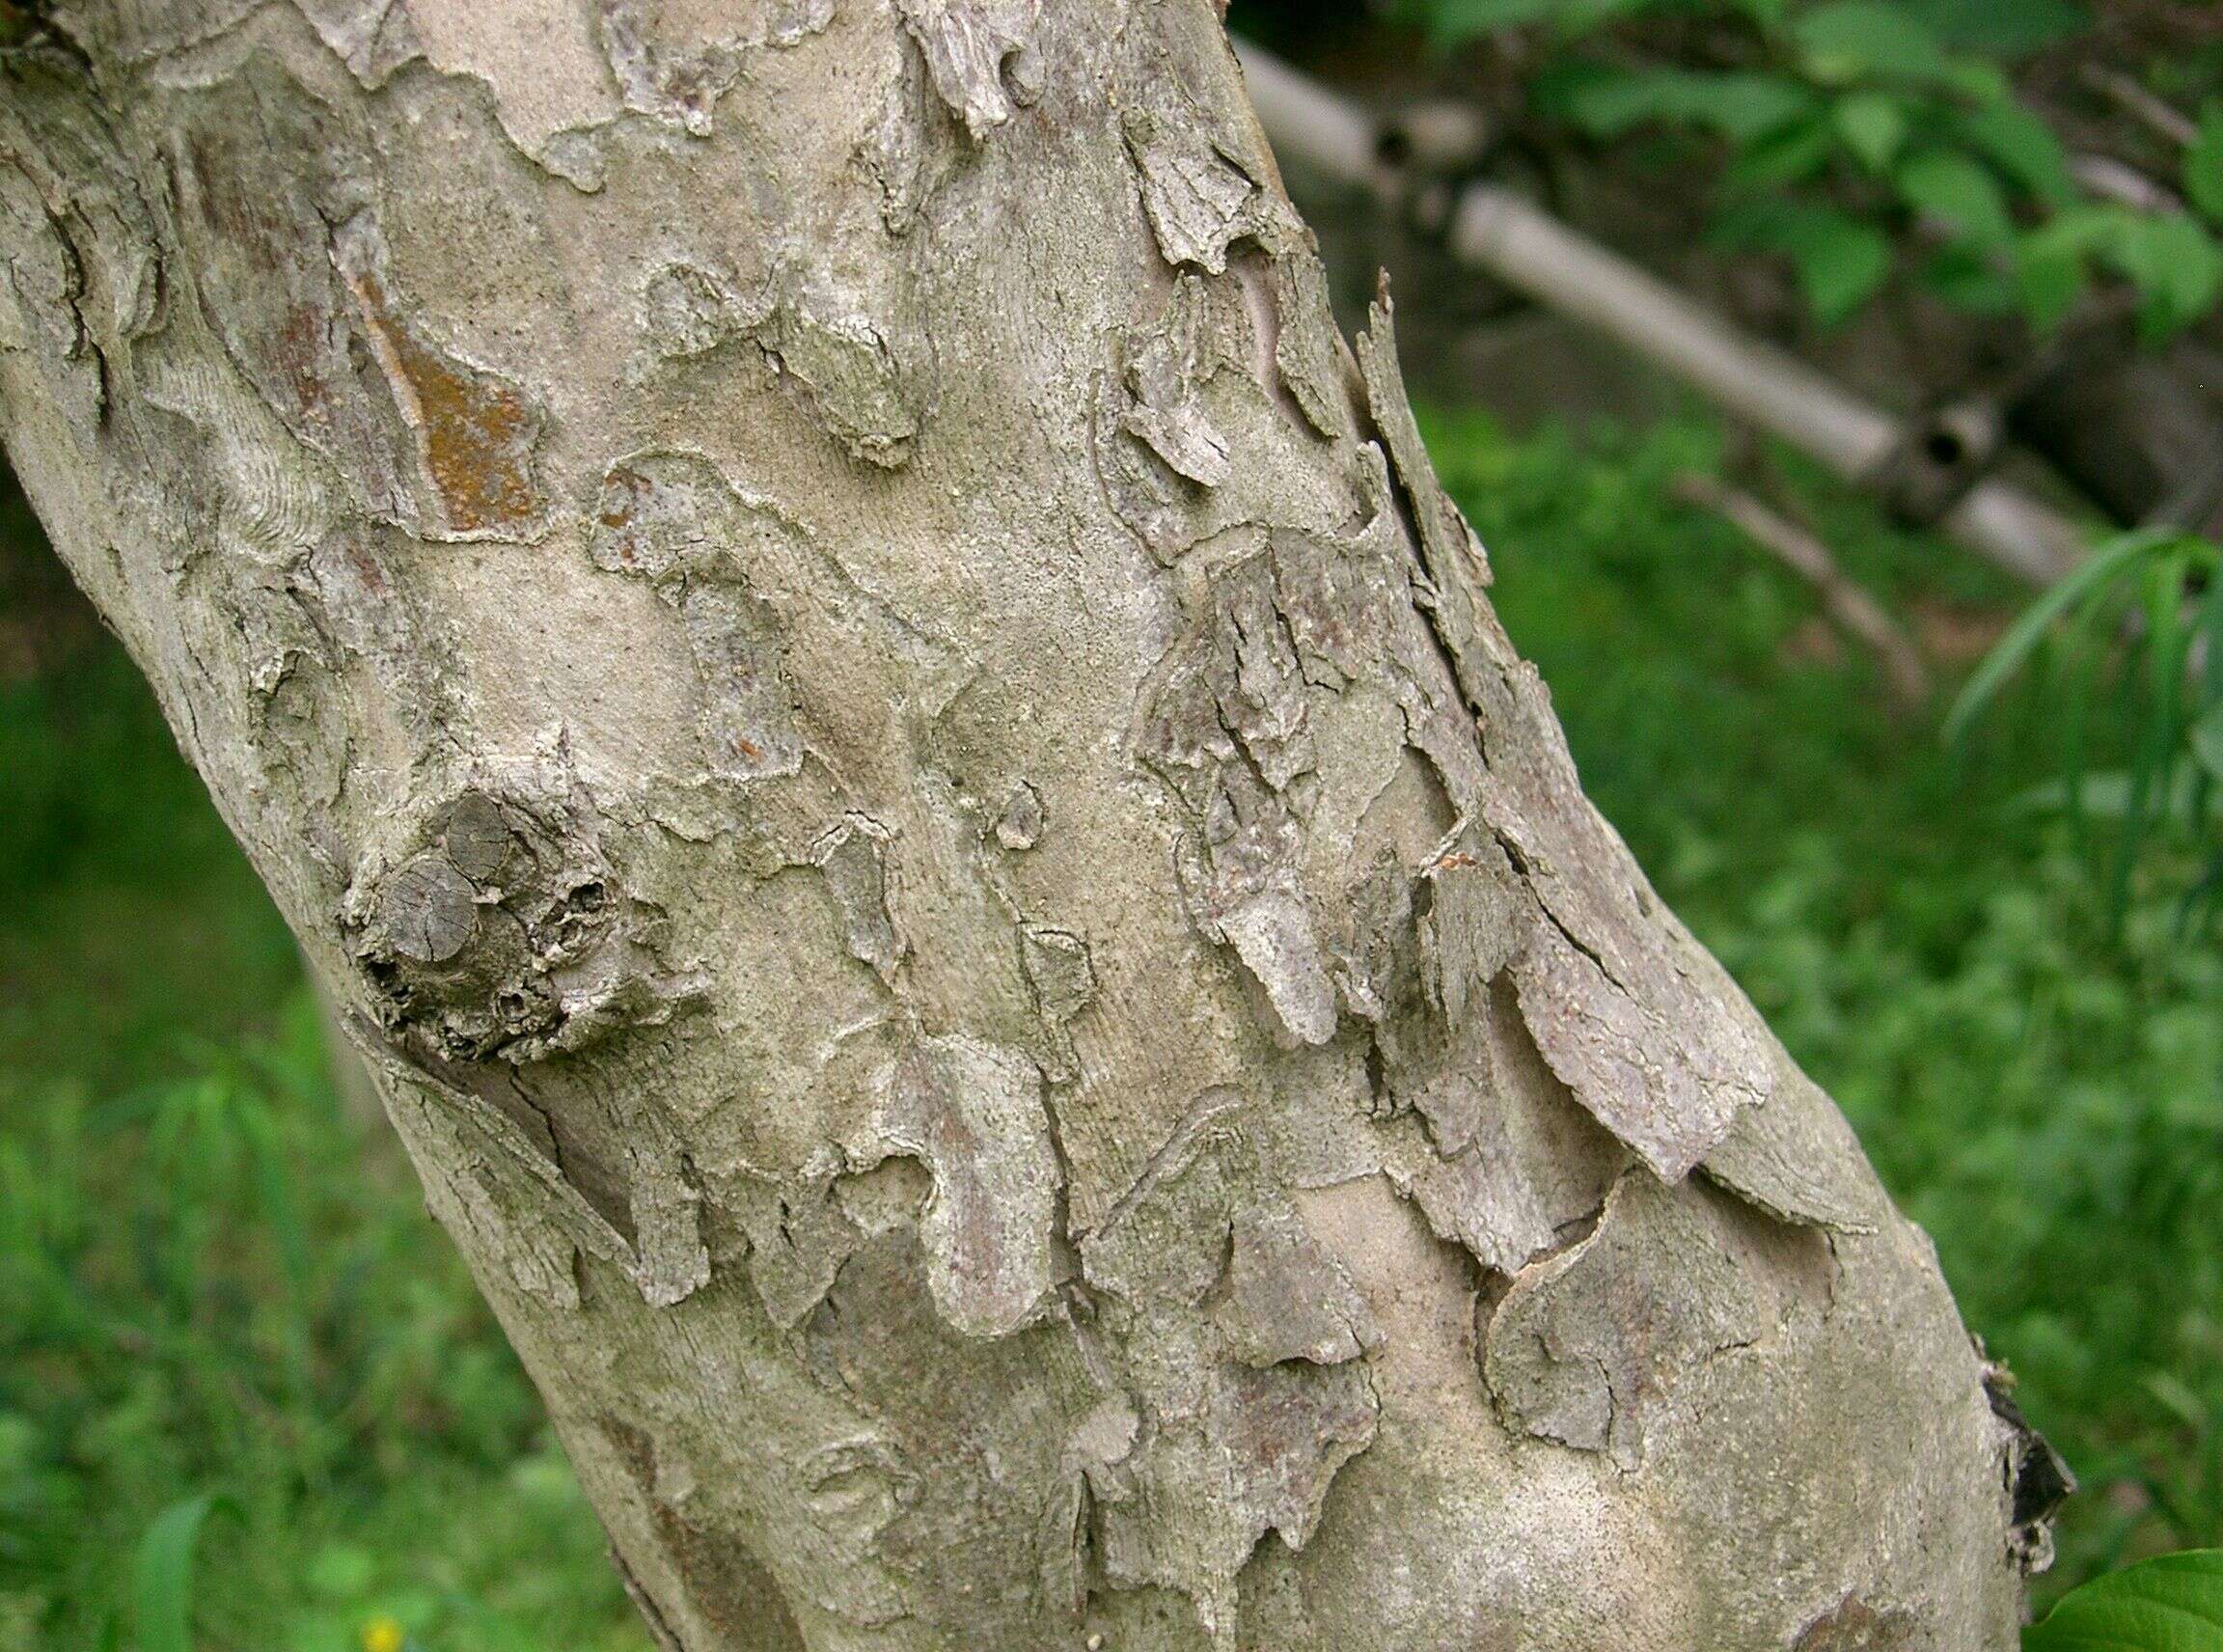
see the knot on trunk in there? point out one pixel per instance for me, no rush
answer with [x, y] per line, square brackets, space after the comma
[497, 928]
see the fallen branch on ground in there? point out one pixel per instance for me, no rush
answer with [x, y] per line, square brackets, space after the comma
[1498, 231]
[2150, 110]
[1849, 605]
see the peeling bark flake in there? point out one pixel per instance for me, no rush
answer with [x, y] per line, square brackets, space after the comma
[1305, 343]
[670, 64]
[972, 1114]
[1285, 1299]
[673, 520]
[1589, 1346]
[476, 433]
[689, 309]
[1166, 368]
[1020, 825]
[848, 366]
[853, 857]
[1793, 1157]
[1227, 728]
[1451, 553]
[966, 44]
[1199, 198]
[372, 37]
[524, 1176]
[1650, 1034]
[1159, 455]
[1064, 982]
[1272, 933]
[1644, 1080]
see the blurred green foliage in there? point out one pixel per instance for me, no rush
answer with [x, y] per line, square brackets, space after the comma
[211, 1282]
[212, 1285]
[1865, 139]
[2140, 623]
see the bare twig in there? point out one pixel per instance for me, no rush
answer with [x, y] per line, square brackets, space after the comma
[2157, 114]
[2123, 183]
[1855, 611]
[1498, 231]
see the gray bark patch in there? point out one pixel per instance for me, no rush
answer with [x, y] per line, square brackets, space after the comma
[1853, 1624]
[673, 521]
[971, 1112]
[853, 373]
[292, 273]
[966, 44]
[1590, 1346]
[1245, 1432]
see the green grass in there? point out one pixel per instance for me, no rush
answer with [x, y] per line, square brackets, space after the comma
[212, 1282]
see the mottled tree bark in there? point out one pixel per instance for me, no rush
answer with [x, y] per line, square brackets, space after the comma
[908, 783]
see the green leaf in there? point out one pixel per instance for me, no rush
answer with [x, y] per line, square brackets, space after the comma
[1740, 108]
[2003, 28]
[2013, 137]
[2210, 566]
[2204, 164]
[2205, 737]
[1979, 81]
[2012, 651]
[2174, 1604]
[341, 1571]
[2107, 796]
[162, 1578]
[1842, 271]
[1745, 107]
[1873, 125]
[1605, 102]
[1450, 21]
[2175, 263]
[2153, 760]
[1970, 280]
[2050, 260]
[2049, 278]
[1850, 39]
[1840, 261]
[1959, 192]
[1785, 155]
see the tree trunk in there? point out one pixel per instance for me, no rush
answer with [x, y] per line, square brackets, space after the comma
[908, 781]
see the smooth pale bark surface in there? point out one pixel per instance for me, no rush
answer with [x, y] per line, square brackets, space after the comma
[908, 783]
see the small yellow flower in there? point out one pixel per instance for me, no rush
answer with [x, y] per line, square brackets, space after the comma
[382, 1634]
